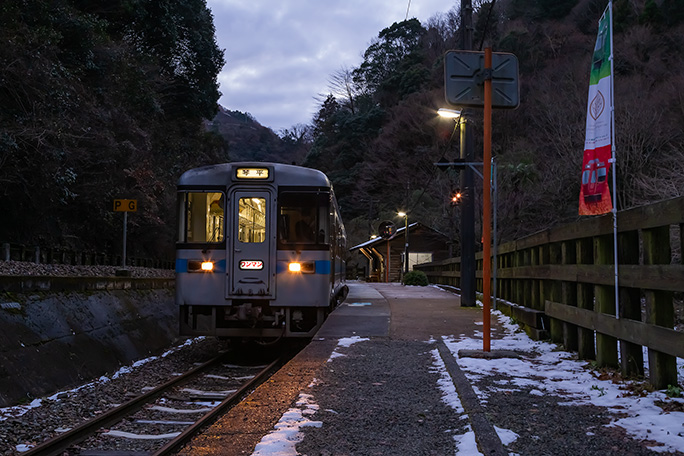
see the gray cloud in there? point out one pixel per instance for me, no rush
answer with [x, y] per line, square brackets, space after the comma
[280, 55]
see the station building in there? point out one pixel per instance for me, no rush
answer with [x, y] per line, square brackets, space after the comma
[425, 245]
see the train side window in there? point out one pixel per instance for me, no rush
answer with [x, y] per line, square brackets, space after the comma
[304, 218]
[202, 217]
[252, 219]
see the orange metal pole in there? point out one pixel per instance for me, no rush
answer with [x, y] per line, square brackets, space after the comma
[486, 202]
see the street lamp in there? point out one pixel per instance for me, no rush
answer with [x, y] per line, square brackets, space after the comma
[449, 113]
[467, 154]
[406, 240]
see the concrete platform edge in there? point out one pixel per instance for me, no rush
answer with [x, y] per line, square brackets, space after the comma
[487, 439]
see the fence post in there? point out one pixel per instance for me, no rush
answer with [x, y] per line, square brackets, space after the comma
[659, 306]
[36, 254]
[585, 300]
[631, 355]
[5, 251]
[606, 346]
[535, 301]
[519, 296]
[552, 292]
[569, 295]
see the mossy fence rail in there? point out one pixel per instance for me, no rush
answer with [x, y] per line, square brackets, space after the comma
[560, 283]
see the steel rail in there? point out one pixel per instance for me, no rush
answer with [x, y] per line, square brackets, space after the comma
[57, 445]
[174, 445]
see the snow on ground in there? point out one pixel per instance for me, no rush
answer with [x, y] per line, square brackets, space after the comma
[559, 373]
[549, 371]
[286, 435]
[465, 443]
[19, 410]
[343, 343]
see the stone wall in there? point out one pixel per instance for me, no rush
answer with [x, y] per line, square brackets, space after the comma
[55, 340]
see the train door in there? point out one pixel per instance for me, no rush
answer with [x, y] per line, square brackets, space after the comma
[250, 247]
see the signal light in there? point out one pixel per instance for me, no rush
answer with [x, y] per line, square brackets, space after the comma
[207, 266]
[456, 197]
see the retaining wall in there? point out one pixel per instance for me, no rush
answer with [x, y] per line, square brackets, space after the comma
[53, 340]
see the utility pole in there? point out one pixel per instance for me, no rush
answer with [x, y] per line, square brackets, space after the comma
[467, 180]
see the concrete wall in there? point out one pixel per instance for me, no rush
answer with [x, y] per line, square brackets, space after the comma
[56, 340]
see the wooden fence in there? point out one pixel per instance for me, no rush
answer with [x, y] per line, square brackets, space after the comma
[559, 283]
[59, 255]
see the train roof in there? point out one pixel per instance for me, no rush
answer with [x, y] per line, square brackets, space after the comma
[224, 174]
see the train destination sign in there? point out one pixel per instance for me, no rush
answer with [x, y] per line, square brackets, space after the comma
[252, 173]
[125, 205]
[251, 264]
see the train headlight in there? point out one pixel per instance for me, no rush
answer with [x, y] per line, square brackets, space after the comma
[207, 266]
[305, 267]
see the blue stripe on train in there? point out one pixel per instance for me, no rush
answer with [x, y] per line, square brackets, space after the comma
[323, 267]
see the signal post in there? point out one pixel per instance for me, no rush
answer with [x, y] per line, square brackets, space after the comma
[125, 206]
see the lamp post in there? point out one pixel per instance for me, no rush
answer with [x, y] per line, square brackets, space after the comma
[467, 282]
[489, 193]
[406, 240]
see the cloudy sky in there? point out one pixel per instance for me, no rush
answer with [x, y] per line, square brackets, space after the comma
[280, 54]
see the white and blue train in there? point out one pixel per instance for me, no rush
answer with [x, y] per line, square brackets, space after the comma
[261, 251]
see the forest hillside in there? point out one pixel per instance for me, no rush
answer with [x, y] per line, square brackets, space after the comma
[102, 100]
[378, 136]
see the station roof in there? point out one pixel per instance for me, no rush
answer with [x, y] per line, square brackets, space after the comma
[378, 240]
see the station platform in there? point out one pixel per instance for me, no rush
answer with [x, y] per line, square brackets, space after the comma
[380, 378]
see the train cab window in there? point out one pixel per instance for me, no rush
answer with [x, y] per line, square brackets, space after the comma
[303, 218]
[201, 217]
[252, 219]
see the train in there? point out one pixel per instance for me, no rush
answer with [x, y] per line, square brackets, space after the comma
[261, 251]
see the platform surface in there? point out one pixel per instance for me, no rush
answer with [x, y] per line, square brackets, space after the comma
[382, 377]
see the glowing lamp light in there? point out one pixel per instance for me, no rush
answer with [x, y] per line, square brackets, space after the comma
[295, 267]
[207, 266]
[449, 113]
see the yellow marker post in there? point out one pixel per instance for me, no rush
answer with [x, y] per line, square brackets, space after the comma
[125, 206]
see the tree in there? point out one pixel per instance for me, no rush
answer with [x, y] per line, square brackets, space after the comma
[101, 100]
[387, 60]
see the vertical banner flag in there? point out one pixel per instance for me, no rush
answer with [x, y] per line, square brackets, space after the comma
[594, 191]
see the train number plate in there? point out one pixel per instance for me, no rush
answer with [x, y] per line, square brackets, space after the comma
[251, 264]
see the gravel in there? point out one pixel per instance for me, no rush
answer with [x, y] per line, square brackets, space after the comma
[381, 398]
[24, 268]
[30, 426]
[547, 428]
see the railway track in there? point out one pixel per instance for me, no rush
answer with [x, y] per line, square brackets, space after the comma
[162, 419]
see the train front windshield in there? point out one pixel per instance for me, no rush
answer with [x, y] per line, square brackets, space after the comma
[252, 216]
[201, 217]
[303, 218]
